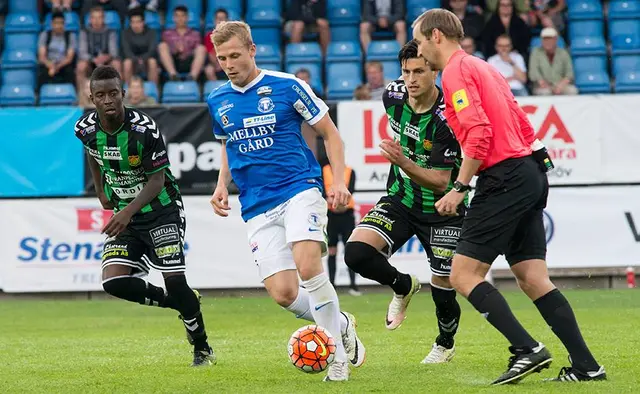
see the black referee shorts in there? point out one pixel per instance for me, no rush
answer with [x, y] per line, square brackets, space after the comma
[340, 227]
[505, 215]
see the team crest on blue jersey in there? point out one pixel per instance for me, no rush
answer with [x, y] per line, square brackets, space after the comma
[264, 90]
[225, 120]
[265, 105]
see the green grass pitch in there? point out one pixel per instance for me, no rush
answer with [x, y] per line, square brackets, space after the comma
[111, 346]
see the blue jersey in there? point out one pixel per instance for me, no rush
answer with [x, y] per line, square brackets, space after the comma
[269, 159]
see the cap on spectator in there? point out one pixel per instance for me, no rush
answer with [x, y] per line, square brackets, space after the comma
[548, 32]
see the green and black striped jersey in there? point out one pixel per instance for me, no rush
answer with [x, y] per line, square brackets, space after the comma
[127, 156]
[426, 139]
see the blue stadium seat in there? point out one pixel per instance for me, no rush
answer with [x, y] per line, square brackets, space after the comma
[58, 94]
[151, 20]
[273, 5]
[266, 35]
[383, 50]
[392, 69]
[314, 70]
[231, 6]
[582, 46]
[592, 28]
[345, 33]
[622, 64]
[21, 41]
[209, 86]
[268, 53]
[343, 13]
[622, 9]
[344, 51]
[263, 17]
[625, 37]
[17, 95]
[19, 58]
[585, 64]
[23, 6]
[151, 90]
[193, 21]
[626, 70]
[19, 77]
[194, 6]
[180, 92]
[537, 42]
[342, 80]
[270, 66]
[303, 52]
[111, 19]
[592, 82]
[429, 4]
[22, 23]
[234, 15]
[71, 22]
[414, 12]
[584, 9]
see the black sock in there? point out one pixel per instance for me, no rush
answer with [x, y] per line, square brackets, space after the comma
[332, 269]
[368, 262]
[352, 279]
[135, 289]
[189, 308]
[488, 301]
[448, 314]
[557, 312]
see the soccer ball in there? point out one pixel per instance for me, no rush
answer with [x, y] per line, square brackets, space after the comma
[311, 349]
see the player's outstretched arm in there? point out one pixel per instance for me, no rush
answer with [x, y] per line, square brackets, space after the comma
[220, 198]
[335, 151]
[97, 182]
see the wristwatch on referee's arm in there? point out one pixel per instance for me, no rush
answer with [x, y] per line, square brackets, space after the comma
[461, 187]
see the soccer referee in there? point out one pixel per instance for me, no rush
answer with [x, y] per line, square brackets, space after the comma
[505, 215]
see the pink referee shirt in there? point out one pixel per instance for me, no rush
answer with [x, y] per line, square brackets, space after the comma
[482, 112]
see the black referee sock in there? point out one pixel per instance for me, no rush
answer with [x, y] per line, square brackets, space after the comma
[448, 314]
[371, 264]
[332, 269]
[557, 312]
[189, 308]
[489, 302]
[134, 289]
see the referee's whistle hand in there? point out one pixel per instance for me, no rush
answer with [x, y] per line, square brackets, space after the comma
[448, 205]
[220, 201]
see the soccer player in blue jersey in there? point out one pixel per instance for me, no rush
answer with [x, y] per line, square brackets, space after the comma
[257, 115]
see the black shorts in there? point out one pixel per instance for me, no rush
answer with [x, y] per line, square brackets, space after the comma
[396, 224]
[340, 227]
[307, 11]
[183, 66]
[152, 240]
[505, 215]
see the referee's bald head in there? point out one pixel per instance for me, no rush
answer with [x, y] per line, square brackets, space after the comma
[443, 20]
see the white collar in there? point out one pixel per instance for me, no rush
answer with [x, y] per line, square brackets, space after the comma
[251, 84]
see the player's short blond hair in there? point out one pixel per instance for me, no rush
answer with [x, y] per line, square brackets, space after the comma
[224, 31]
[444, 20]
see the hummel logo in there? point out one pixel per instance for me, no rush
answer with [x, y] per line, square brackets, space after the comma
[191, 324]
[322, 305]
[155, 134]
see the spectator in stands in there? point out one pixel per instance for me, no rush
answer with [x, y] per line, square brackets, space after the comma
[98, 46]
[511, 65]
[151, 5]
[472, 22]
[550, 67]
[303, 13]
[548, 13]
[384, 15]
[56, 53]
[468, 44]
[522, 8]
[375, 79]
[135, 94]
[362, 92]
[119, 6]
[506, 21]
[139, 48]
[213, 71]
[181, 50]
[59, 5]
[305, 75]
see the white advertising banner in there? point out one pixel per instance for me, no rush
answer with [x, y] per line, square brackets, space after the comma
[591, 139]
[55, 245]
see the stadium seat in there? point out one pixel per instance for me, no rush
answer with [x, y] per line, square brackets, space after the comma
[209, 86]
[391, 70]
[342, 79]
[71, 22]
[303, 52]
[181, 92]
[273, 5]
[314, 70]
[23, 41]
[111, 19]
[344, 13]
[584, 64]
[22, 23]
[231, 6]
[344, 51]
[592, 28]
[194, 6]
[151, 90]
[383, 50]
[19, 58]
[23, 6]
[429, 4]
[266, 35]
[17, 95]
[151, 20]
[58, 94]
[345, 33]
[625, 37]
[582, 46]
[592, 82]
[193, 21]
[414, 12]
[537, 42]
[263, 17]
[19, 77]
[268, 53]
[626, 70]
[584, 9]
[234, 15]
[622, 64]
[270, 66]
[620, 9]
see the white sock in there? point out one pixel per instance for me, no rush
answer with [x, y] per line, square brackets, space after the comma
[302, 309]
[325, 307]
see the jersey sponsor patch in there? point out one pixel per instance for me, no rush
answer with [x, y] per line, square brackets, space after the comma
[460, 100]
[302, 110]
[111, 153]
[444, 236]
[259, 120]
[165, 234]
[138, 128]
[126, 193]
[265, 105]
[395, 95]
[264, 90]
[412, 131]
